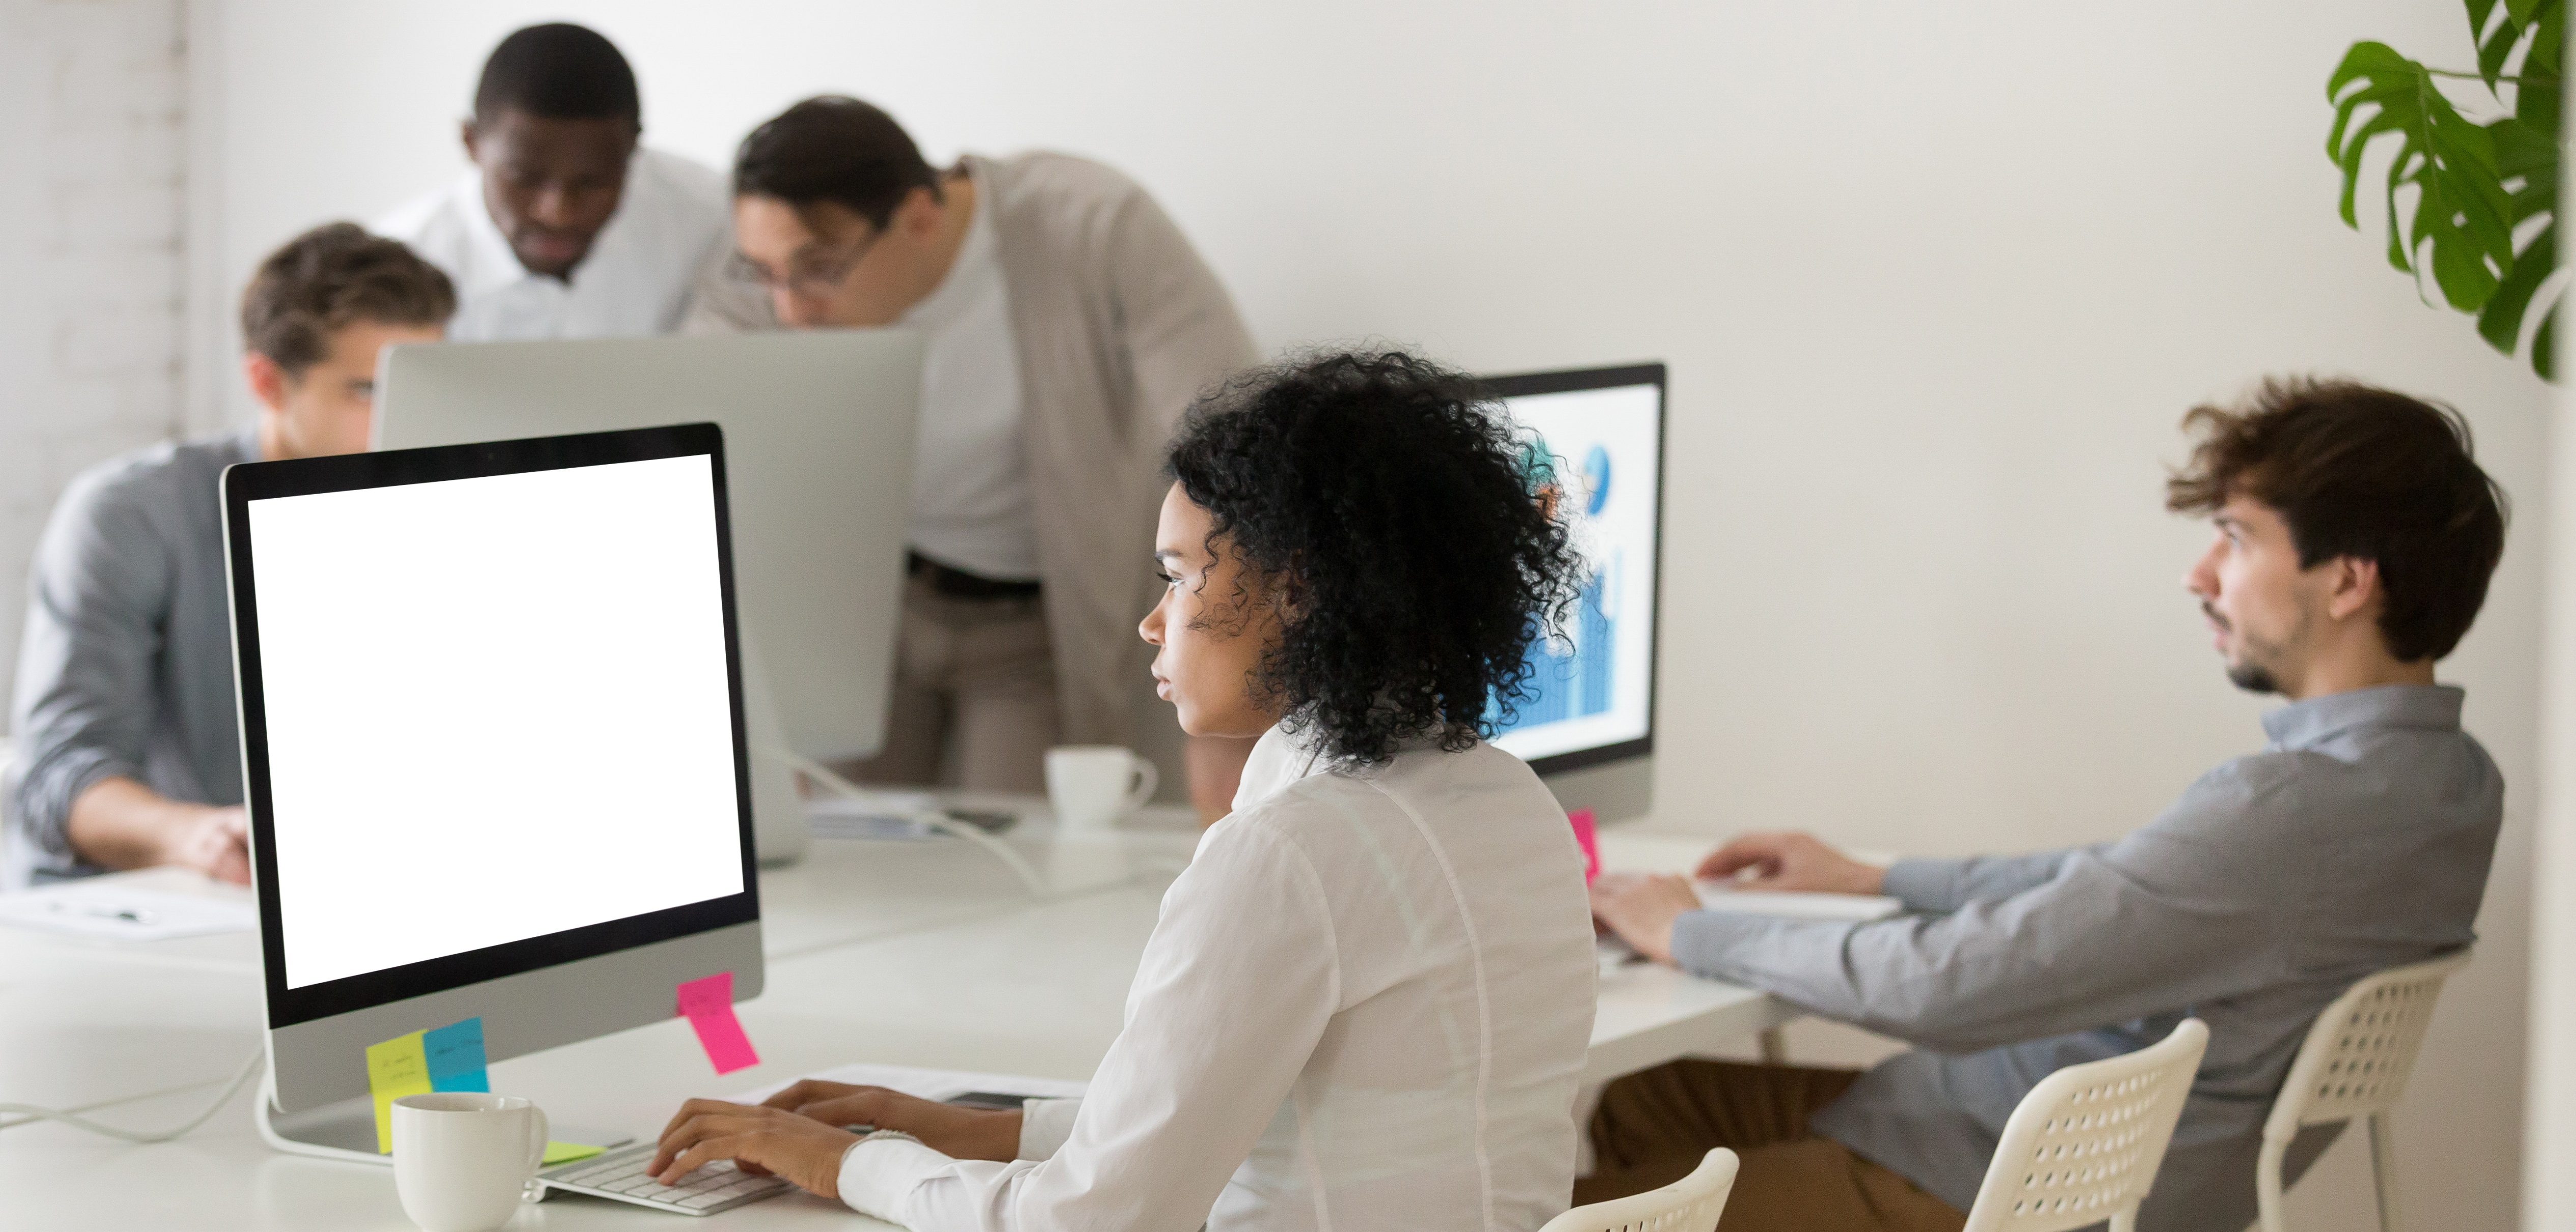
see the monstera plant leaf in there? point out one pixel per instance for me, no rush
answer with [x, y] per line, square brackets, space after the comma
[2483, 216]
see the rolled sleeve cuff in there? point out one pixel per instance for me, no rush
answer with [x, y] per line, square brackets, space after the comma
[1705, 941]
[46, 792]
[876, 1176]
[1924, 885]
[1045, 1124]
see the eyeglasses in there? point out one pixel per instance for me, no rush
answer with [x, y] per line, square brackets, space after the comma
[816, 277]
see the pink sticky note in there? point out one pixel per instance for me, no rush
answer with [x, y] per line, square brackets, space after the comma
[708, 1004]
[1583, 837]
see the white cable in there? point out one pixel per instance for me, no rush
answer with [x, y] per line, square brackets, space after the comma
[932, 818]
[34, 1113]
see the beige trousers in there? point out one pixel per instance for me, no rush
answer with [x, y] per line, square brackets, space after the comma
[1653, 1127]
[974, 702]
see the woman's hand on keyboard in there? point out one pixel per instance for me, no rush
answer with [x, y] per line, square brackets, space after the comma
[757, 1139]
[958, 1133]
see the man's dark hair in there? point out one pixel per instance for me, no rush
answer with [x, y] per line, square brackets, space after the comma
[1388, 504]
[329, 278]
[558, 71]
[833, 149]
[2362, 472]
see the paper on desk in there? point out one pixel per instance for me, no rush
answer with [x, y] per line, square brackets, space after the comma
[110, 907]
[929, 1083]
[1714, 896]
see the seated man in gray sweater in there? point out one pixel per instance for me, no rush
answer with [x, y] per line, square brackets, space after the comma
[2355, 537]
[128, 752]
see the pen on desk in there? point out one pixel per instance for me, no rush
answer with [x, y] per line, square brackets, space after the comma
[131, 915]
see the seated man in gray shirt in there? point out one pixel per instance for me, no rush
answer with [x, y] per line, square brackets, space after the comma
[2355, 537]
[128, 752]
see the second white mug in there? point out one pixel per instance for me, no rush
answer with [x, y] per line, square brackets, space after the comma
[1091, 786]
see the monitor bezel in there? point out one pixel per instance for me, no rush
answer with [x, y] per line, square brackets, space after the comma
[246, 482]
[1500, 389]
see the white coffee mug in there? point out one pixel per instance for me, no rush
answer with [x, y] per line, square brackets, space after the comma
[463, 1159]
[1093, 785]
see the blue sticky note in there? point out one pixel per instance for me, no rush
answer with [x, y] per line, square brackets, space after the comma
[456, 1056]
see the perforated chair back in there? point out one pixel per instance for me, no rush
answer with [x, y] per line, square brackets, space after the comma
[1691, 1204]
[2085, 1144]
[2355, 1063]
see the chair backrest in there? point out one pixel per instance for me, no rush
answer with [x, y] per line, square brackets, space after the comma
[2086, 1142]
[2361, 1048]
[1691, 1204]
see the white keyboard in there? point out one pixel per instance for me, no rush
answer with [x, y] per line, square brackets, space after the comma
[620, 1174]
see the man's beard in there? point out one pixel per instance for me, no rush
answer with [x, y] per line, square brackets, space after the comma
[2253, 678]
[2249, 675]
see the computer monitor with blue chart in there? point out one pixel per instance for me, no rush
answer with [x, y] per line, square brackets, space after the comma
[1595, 442]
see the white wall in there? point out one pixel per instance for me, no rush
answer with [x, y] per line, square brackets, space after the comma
[90, 135]
[1935, 281]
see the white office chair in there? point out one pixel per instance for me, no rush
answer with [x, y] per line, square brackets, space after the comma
[2354, 1064]
[2086, 1142]
[1691, 1204]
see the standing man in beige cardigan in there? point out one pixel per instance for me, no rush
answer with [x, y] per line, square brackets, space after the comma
[1068, 324]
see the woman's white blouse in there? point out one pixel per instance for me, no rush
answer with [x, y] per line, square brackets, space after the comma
[1365, 1005]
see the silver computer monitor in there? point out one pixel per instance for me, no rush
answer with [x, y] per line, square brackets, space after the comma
[1597, 443]
[820, 426]
[425, 642]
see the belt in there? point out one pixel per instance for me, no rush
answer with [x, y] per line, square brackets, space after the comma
[959, 584]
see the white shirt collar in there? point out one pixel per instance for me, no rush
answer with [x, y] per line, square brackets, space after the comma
[1277, 762]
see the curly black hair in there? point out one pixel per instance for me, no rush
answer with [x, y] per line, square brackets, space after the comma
[1391, 506]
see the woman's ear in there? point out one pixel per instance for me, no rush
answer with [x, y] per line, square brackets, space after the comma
[1287, 596]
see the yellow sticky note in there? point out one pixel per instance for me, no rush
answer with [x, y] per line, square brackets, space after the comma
[395, 1068]
[566, 1152]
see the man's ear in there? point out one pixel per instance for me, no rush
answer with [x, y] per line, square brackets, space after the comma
[919, 214]
[465, 133]
[267, 379]
[2355, 587]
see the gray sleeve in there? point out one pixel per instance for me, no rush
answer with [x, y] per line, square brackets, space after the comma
[1181, 330]
[98, 599]
[2165, 917]
[1947, 885]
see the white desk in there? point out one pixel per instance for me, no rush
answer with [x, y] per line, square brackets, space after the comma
[927, 954]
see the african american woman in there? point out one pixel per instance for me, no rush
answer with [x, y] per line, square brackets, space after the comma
[1367, 999]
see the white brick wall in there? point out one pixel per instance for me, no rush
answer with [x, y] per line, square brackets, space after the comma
[92, 159]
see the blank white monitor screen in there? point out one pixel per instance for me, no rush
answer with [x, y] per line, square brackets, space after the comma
[497, 708]
[1591, 681]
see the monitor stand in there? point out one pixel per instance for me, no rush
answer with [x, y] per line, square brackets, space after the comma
[347, 1130]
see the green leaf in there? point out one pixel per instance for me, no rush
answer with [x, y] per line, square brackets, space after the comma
[2537, 105]
[2461, 224]
[2500, 323]
[2521, 10]
[2549, 40]
[2494, 46]
[2457, 190]
[2384, 122]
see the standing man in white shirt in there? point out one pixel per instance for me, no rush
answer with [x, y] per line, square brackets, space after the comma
[1068, 324]
[565, 227]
